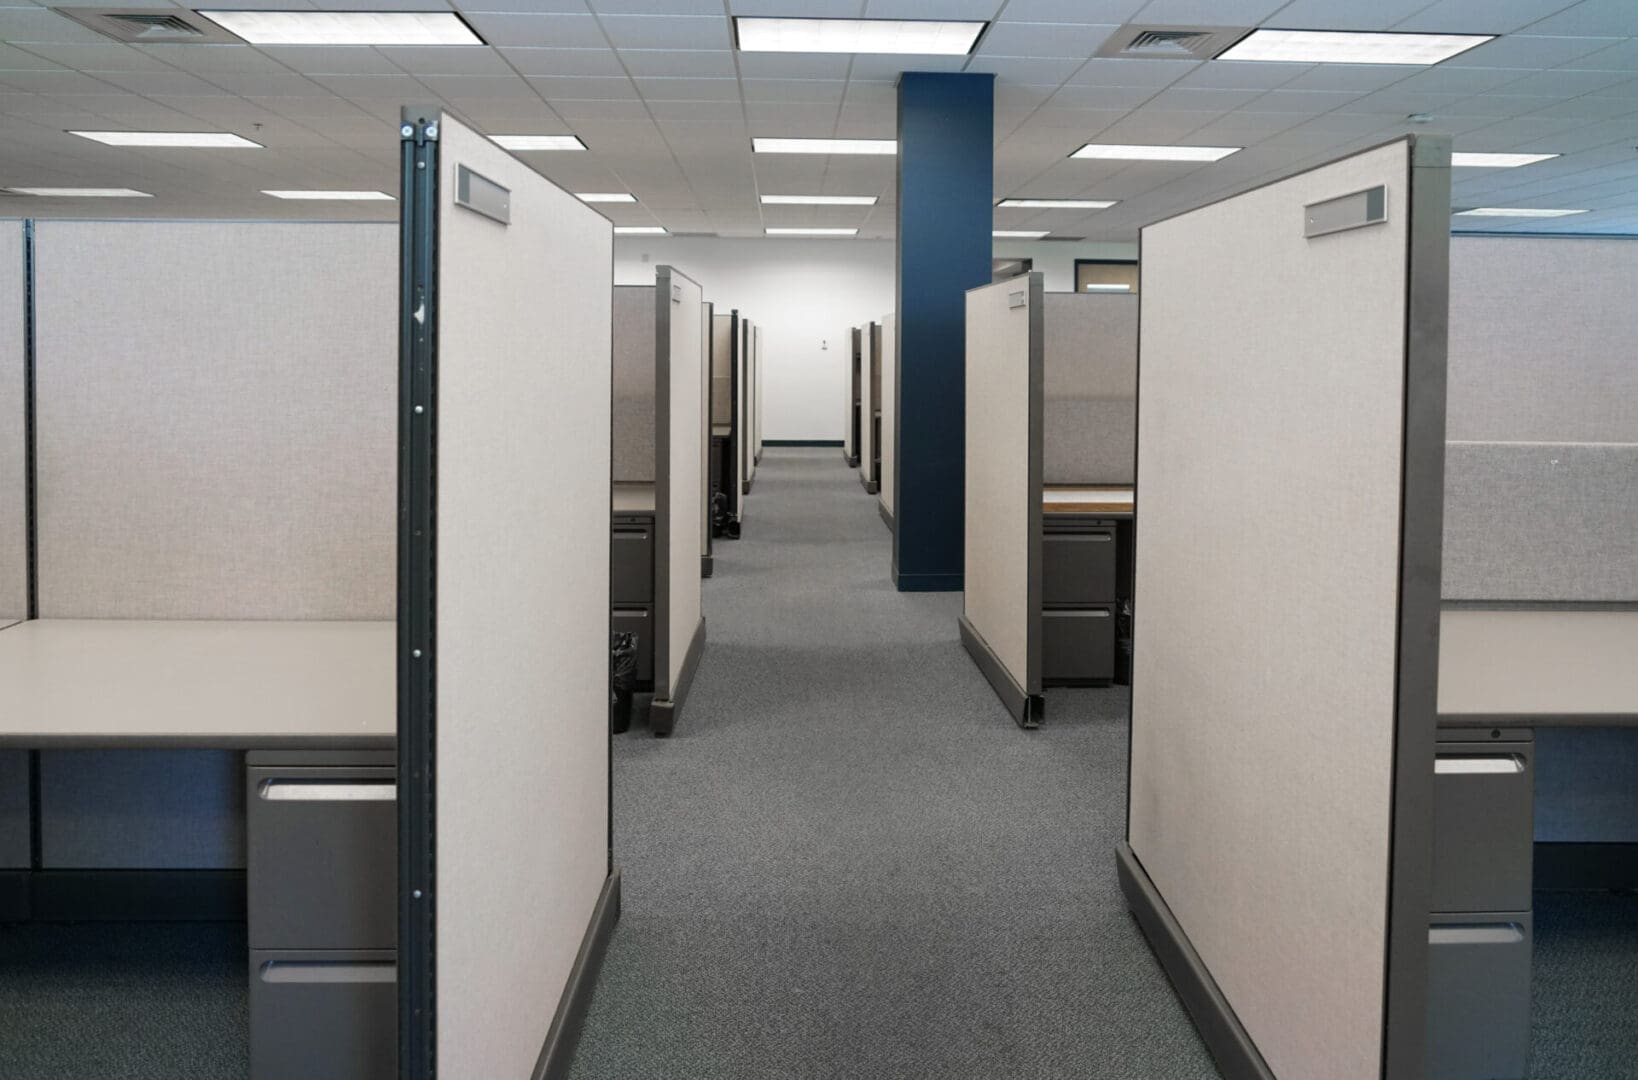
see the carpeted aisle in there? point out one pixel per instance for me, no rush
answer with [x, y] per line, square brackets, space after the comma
[848, 861]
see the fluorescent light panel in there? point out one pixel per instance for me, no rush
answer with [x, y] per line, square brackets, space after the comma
[1497, 161]
[811, 232]
[1120, 152]
[825, 146]
[1515, 211]
[81, 192]
[639, 230]
[346, 27]
[1018, 234]
[605, 196]
[818, 200]
[1055, 204]
[1350, 47]
[1107, 287]
[538, 142]
[331, 196]
[212, 140]
[915, 37]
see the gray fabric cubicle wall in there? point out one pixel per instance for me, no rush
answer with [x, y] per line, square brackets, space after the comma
[1273, 704]
[633, 384]
[14, 780]
[204, 454]
[522, 605]
[1090, 409]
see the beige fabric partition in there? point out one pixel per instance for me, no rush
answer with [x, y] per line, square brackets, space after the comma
[759, 394]
[677, 520]
[1266, 695]
[1002, 532]
[867, 403]
[222, 445]
[1090, 413]
[722, 369]
[707, 354]
[13, 453]
[850, 379]
[524, 323]
[634, 416]
[890, 407]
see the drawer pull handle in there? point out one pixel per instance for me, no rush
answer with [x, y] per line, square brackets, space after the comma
[631, 536]
[1093, 614]
[1089, 538]
[1478, 765]
[1492, 934]
[327, 791]
[307, 971]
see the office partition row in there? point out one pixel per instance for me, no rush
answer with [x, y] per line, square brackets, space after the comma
[1048, 579]
[708, 329]
[750, 405]
[889, 413]
[870, 407]
[853, 399]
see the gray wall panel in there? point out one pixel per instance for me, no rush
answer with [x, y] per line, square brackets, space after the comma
[217, 430]
[13, 543]
[14, 826]
[1587, 784]
[141, 809]
[634, 384]
[1090, 409]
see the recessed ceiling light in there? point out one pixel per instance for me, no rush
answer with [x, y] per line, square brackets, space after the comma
[204, 139]
[1018, 234]
[1515, 211]
[1109, 286]
[904, 36]
[537, 142]
[811, 232]
[346, 27]
[1350, 47]
[605, 196]
[639, 230]
[819, 200]
[1497, 161]
[1118, 152]
[81, 192]
[332, 196]
[1055, 204]
[825, 146]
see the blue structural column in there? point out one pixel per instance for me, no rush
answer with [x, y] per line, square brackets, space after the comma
[946, 170]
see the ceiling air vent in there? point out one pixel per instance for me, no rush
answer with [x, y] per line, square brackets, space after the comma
[1171, 42]
[146, 26]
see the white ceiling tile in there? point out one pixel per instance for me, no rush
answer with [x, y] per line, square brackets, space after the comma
[538, 6]
[889, 68]
[433, 60]
[685, 111]
[815, 9]
[784, 119]
[263, 84]
[667, 31]
[1240, 75]
[1026, 69]
[1527, 51]
[492, 87]
[1619, 57]
[29, 24]
[691, 90]
[1589, 108]
[1310, 102]
[571, 63]
[53, 82]
[865, 91]
[1186, 99]
[1360, 78]
[585, 89]
[353, 87]
[656, 7]
[1592, 18]
[1460, 80]
[538, 30]
[331, 59]
[575, 111]
[922, 9]
[168, 81]
[1100, 97]
[1207, 12]
[1112, 12]
[108, 56]
[1104, 71]
[1561, 83]
[828, 91]
[672, 63]
[794, 65]
[1478, 16]
[204, 59]
[1346, 14]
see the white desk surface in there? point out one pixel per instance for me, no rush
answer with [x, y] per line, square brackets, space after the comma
[632, 498]
[1086, 499]
[82, 683]
[1538, 668]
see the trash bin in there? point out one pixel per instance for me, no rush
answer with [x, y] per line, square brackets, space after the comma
[722, 522]
[622, 679]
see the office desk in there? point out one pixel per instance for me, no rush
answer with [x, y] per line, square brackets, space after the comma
[1102, 500]
[314, 707]
[632, 498]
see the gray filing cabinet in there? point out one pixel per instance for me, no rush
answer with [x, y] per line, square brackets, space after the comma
[1081, 578]
[631, 586]
[321, 876]
[1481, 925]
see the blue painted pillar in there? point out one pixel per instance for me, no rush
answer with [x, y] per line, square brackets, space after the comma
[946, 171]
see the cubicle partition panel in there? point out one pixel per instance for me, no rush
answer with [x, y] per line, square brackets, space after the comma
[890, 409]
[1001, 609]
[634, 402]
[868, 339]
[747, 405]
[707, 354]
[737, 440]
[1090, 411]
[507, 890]
[850, 397]
[1290, 442]
[678, 610]
[15, 842]
[757, 460]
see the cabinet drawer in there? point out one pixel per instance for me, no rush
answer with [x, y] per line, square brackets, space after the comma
[639, 621]
[631, 563]
[1078, 567]
[1483, 827]
[1479, 997]
[1078, 646]
[322, 857]
[323, 1015]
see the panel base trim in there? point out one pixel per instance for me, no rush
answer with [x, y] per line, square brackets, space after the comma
[122, 895]
[1236, 1055]
[1026, 708]
[886, 515]
[928, 581]
[664, 713]
[708, 565]
[870, 486]
[1563, 866]
[557, 1053]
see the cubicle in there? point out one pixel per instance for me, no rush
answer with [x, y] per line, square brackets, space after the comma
[708, 325]
[890, 418]
[1048, 566]
[852, 394]
[1290, 448]
[756, 399]
[870, 407]
[750, 447]
[725, 430]
[15, 840]
[658, 482]
[282, 663]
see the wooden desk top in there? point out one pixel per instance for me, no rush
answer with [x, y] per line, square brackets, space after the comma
[632, 498]
[1087, 499]
[1538, 668]
[721, 431]
[82, 683]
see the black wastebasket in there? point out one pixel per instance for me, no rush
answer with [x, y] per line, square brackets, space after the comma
[622, 679]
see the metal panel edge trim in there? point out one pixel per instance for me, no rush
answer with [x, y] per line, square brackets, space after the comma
[662, 481]
[1025, 708]
[1036, 449]
[563, 1037]
[664, 713]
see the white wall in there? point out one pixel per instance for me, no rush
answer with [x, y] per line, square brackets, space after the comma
[806, 294]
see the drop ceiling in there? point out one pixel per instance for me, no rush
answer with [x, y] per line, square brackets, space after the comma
[667, 108]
